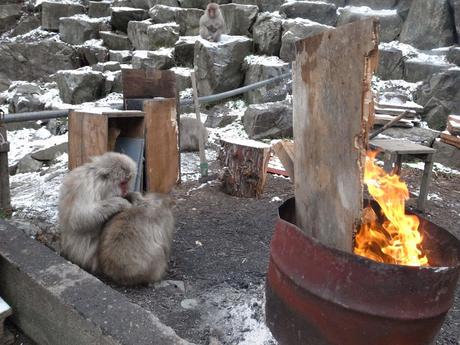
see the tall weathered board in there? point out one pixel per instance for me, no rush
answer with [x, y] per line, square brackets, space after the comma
[332, 108]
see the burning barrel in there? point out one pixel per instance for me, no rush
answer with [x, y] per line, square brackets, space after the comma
[316, 295]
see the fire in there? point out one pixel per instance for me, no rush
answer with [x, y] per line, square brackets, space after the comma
[394, 238]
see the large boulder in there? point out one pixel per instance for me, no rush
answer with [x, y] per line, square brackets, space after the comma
[428, 25]
[440, 95]
[446, 154]
[121, 16]
[321, 12]
[91, 53]
[390, 21]
[187, 18]
[258, 68]
[239, 18]
[25, 96]
[374, 4]
[115, 41]
[99, 9]
[122, 56]
[147, 36]
[391, 63]
[417, 69]
[268, 120]
[157, 59]
[193, 3]
[266, 34]
[81, 85]
[453, 56]
[34, 60]
[183, 78]
[80, 28]
[403, 7]
[184, 50]
[9, 14]
[52, 11]
[295, 29]
[455, 4]
[269, 5]
[26, 24]
[218, 64]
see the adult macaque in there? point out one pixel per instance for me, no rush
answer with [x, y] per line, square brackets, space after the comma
[212, 24]
[135, 244]
[90, 196]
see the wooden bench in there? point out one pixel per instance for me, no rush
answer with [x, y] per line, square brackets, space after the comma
[394, 150]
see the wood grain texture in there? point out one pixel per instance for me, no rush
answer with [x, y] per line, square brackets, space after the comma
[162, 146]
[333, 104]
[5, 197]
[148, 83]
[285, 151]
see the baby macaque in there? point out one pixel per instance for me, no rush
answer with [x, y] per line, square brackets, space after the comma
[212, 24]
[135, 244]
[90, 195]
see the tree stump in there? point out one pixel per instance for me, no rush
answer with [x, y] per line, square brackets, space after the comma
[244, 165]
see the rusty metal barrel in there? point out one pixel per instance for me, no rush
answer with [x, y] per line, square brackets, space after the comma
[316, 295]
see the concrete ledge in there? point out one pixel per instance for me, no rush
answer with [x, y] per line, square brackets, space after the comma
[56, 302]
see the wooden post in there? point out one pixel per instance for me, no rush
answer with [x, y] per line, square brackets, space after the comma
[332, 104]
[161, 144]
[203, 161]
[5, 199]
[245, 167]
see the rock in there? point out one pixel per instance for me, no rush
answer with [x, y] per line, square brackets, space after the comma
[294, 29]
[270, 5]
[51, 153]
[121, 16]
[41, 134]
[239, 18]
[157, 59]
[147, 36]
[115, 41]
[57, 126]
[390, 21]
[440, 96]
[193, 4]
[258, 68]
[25, 96]
[391, 63]
[447, 155]
[81, 85]
[28, 164]
[455, 4]
[268, 120]
[435, 30]
[99, 9]
[189, 303]
[26, 23]
[35, 60]
[183, 78]
[9, 14]
[422, 136]
[218, 64]
[453, 56]
[52, 11]
[144, 4]
[91, 54]
[184, 50]
[110, 66]
[320, 12]
[266, 33]
[171, 3]
[113, 82]
[190, 130]
[418, 70]
[403, 7]
[337, 3]
[122, 56]
[374, 4]
[80, 28]
[187, 18]
[220, 116]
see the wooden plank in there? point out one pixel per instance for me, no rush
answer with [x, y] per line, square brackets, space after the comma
[395, 111]
[285, 151]
[403, 147]
[148, 83]
[5, 197]
[162, 147]
[75, 142]
[450, 139]
[383, 119]
[403, 106]
[332, 85]
[453, 124]
[244, 163]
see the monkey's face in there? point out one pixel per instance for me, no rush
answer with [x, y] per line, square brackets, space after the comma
[124, 186]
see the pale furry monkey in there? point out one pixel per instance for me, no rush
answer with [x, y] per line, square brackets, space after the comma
[135, 244]
[212, 23]
[90, 195]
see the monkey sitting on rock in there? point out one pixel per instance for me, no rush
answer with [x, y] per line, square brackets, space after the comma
[212, 23]
[105, 229]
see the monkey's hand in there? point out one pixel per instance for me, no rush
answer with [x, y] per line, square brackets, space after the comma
[114, 205]
[134, 197]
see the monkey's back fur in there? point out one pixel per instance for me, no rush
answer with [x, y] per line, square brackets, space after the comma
[135, 244]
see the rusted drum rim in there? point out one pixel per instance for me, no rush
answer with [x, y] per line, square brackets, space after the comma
[301, 267]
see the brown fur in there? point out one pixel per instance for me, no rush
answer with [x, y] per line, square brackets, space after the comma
[135, 244]
[212, 23]
[90, 195]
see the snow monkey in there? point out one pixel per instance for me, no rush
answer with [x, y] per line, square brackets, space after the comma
[90, 196]
[135, 244]
[212, 24]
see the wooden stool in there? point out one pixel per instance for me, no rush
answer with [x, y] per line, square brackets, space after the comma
[394, 150]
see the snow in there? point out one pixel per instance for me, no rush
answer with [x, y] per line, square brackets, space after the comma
[271, 61]
[437, 167]
[364, 10]
[435, 56]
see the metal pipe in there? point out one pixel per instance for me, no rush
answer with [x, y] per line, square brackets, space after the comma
[34, 116]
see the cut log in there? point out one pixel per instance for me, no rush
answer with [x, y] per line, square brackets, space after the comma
[333, 104]
[453, 124]
[450, 139]
[162, 144]
[244, 164]
[285, 151]
[5, 199]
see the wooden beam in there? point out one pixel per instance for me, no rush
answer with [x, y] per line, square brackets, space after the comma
[285, 151]
[5, 198]
[333, 105]
[161, 145]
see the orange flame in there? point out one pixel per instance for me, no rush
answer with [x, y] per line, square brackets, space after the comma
[396, 238]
